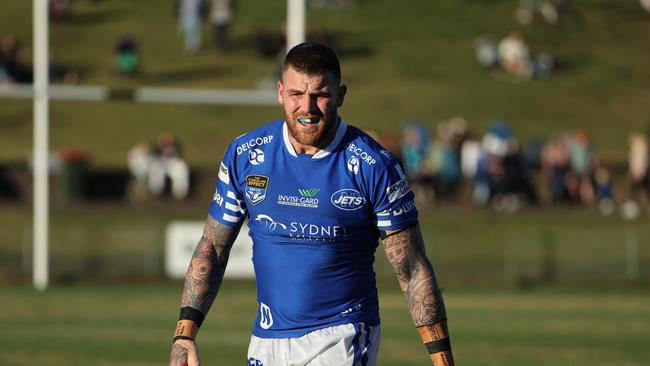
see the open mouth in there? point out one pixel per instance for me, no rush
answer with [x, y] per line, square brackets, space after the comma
[308, 120]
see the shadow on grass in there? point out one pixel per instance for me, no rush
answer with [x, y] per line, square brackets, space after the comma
[96, 16]
[185, 74]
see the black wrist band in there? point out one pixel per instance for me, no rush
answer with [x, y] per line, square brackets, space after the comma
[438, 346]
[191, 314]
[182, 337]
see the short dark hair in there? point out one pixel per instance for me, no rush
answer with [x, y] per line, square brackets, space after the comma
[313, 58]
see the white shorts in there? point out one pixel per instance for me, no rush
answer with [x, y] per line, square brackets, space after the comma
[354, 344]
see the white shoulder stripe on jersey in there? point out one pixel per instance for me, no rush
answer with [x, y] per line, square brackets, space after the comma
[384, 213]
[230, 194]
[231, 218]
[233, 208]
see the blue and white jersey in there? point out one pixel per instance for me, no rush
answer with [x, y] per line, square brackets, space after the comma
[314, 221]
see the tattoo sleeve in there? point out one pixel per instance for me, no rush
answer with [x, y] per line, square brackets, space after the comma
[415, 274]
[208, 264]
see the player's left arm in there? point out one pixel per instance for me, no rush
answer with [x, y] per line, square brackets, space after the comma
[417, 279]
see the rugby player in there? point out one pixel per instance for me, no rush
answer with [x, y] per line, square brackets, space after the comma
[318, 194]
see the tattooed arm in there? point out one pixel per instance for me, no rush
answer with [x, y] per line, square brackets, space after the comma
[202, 283]
[416, 277]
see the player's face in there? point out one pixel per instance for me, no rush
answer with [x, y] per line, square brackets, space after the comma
[310, 105]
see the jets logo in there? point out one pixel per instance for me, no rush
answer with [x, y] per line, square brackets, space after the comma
[256, 156]
[353, 165]
[347, 199]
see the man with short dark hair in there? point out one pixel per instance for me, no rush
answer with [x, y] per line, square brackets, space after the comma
[318, 194]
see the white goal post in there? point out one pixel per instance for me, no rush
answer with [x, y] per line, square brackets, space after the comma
[40, 92]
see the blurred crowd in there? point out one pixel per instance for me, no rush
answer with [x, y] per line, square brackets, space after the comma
[451, 163]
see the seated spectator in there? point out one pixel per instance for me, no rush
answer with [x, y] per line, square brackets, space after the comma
[268, 44]
[603, 188]
[645, 4]
[14, 60]
[501, 177]
[442, 165]
[59, 9]
[127, 58]
[514, 56]
[167, 168]
[543, 66]
[486, 50]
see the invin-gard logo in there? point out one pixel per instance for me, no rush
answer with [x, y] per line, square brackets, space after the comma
[306, 199]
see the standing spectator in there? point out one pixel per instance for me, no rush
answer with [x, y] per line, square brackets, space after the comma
[638, 165]
[190, 13]
[582, 159]
[555, 165]
[415, 143]
[221, 16]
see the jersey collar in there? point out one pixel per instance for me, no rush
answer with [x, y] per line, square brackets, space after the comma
[340, 132]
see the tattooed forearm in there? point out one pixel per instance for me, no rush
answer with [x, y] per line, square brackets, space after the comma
[207, 265]
[405, 251]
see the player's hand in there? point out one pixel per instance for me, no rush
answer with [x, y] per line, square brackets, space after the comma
[443, 359]
[184, 353]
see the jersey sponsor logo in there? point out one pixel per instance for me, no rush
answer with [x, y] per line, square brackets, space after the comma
[266, 318]
[306, 198]
[364, 156]
[223, 174]
[348, 199]
[386, 153]
[404, 209]
[353, 165]
[256, 188]
[259, 141]
[256, 156]
[398, 190]
[401, 210]
[269, 223]
[302, 231]
[314, 232]
[308, 192]
[218, 198]
[254, 362]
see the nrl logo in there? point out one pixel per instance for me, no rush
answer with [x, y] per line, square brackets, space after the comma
[256, 188]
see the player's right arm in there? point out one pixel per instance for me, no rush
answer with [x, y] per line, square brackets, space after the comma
[202, 283]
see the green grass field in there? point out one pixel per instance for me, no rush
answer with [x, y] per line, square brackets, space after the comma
[540, 287]
[132, 325]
